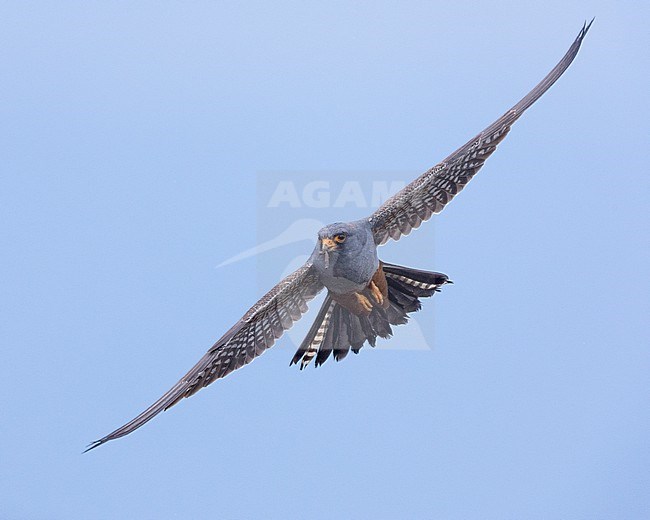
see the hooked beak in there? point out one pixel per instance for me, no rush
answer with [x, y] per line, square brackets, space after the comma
[327, 244]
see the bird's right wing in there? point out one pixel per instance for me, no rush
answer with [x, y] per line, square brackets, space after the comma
[254, 333]
[434, 189]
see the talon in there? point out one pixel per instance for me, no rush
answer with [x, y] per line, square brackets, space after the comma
[364, 302]
[376, 293]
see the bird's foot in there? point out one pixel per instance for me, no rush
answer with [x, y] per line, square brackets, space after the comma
[376, 293]
[364, 302]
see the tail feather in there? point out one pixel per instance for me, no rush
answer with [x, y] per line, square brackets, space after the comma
[396, 314]
[400, 298]
[336, 330]
[339, 354]
[416, 282]
[309, 346]
[355, 332]
[325, 350]
[343, 342]
[380, 323]
[366, 326]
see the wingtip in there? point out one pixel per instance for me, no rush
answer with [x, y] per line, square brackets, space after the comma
[585, 27]
[93, 445]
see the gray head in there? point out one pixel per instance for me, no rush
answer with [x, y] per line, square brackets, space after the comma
[345, 243]
[343, 238]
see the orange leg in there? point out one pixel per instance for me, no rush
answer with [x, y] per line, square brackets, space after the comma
[376, 293]
[356, 303]
[364, 302]
[379, 287]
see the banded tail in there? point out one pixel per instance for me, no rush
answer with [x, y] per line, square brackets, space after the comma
[337, 330]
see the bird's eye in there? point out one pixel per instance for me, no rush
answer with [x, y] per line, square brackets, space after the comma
[339, 239]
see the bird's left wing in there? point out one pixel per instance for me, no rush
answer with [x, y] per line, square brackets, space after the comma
[434, 189]
[255, 332]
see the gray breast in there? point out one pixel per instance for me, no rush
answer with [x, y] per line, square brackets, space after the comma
[341, 276]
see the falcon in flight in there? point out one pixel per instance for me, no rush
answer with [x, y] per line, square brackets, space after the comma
[365, 296]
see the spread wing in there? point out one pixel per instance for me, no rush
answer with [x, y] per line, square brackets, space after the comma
[255, 332]
[434, 189]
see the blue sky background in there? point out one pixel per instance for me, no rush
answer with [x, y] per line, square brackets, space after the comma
[133, 139]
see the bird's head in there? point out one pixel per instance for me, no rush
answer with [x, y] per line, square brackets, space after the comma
[342, 239]
[335, 237]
